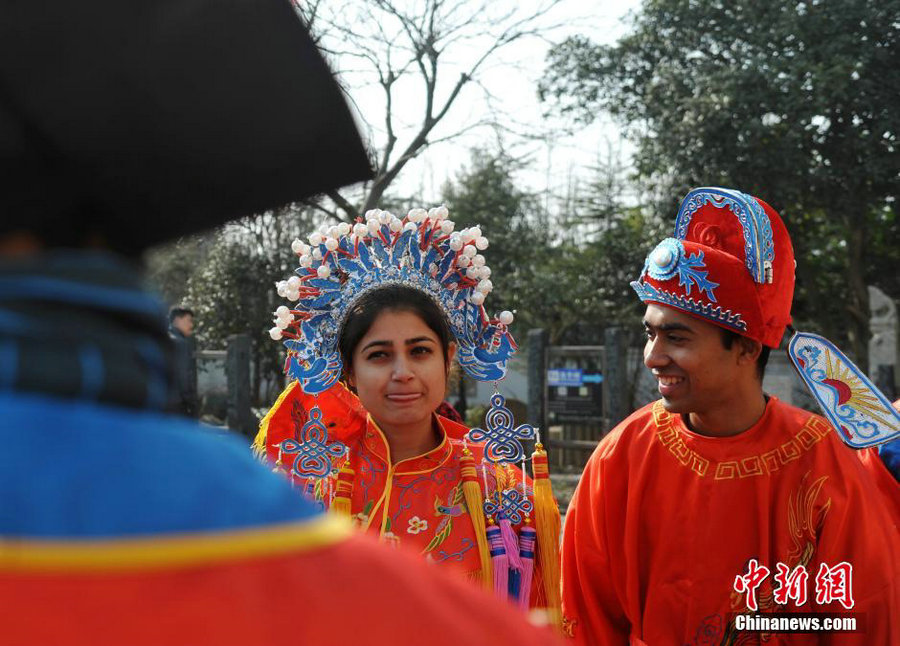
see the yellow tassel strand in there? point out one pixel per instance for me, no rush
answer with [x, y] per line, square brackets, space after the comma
[343, 490]
[473, 495]
[546, 517]
[260, 442]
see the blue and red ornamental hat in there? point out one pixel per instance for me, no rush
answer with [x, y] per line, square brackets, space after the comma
[730, 262]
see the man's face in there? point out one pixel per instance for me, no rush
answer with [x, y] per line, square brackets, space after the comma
[184, 324]
[694, 371]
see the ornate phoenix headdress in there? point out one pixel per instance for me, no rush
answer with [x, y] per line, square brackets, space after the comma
[342, 263]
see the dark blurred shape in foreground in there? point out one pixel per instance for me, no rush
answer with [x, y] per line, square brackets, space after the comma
[123, 124]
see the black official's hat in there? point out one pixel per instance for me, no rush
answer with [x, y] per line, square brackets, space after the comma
[143, 120]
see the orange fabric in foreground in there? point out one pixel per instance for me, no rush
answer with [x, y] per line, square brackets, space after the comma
[349, 593]
[665, 519]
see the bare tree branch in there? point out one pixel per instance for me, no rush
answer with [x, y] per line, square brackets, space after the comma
[441, 46]
[351, 211]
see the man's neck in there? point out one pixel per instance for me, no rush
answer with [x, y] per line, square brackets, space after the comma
[729, 421]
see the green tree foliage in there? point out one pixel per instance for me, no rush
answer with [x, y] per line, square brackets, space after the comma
[615, 239]
[168, 267]
[794, 102]
[227, 278]
[570, 275]
[486, 194]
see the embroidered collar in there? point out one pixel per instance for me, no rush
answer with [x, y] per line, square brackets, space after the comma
[375, 441]
[768, 446]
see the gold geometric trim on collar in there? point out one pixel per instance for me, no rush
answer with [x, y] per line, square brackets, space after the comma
[671, 437]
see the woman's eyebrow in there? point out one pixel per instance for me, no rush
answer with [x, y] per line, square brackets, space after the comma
[373, 344]
[420, 339]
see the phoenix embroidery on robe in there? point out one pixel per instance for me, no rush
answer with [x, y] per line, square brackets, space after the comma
[454, 506]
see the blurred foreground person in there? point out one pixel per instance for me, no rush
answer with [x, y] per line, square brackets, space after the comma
[718, 501]
[121, 125]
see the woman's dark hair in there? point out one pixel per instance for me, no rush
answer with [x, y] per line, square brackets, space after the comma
[391, 298]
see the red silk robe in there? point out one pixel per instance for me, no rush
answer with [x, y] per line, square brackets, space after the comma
[664, 520]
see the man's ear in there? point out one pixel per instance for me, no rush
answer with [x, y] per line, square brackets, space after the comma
[750, 350]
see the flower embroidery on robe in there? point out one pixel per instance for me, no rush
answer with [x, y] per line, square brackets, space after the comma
[416, 525]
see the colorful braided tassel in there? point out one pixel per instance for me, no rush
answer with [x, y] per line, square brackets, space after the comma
[546, 518]
[511, 545]
[499, 561]
[527, 537]
[473, 495]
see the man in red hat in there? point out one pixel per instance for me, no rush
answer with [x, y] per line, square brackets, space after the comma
[719, 502]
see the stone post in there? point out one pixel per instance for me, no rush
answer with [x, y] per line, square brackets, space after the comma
[237, 371]
[616, 405]
[538, 340]
[883, 342]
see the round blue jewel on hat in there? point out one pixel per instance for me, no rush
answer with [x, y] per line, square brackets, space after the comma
[662, 263]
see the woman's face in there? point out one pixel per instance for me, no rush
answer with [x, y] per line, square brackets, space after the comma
[399, 371]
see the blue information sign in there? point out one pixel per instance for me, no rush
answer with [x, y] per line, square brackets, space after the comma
[564, 377]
